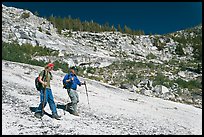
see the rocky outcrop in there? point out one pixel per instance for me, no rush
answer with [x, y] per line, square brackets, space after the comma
[100, 48]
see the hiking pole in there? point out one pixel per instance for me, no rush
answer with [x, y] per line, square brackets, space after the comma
[86, 93]
[44, 96]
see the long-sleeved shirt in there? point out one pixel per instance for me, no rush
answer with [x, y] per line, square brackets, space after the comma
[73, 83]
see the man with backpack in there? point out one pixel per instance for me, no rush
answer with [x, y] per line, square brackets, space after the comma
[46, 93]
[70, 83]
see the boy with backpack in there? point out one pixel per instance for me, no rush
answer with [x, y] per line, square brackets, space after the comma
[46, 93]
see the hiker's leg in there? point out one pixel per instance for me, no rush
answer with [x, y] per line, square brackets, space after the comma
[68, 104]
[77, 96]
[39, 109]
[51, 102]
[73, 100]
[77, 100]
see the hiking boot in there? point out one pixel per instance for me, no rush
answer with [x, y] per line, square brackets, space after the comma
[56, 116]
[38, 115]
[75, 113]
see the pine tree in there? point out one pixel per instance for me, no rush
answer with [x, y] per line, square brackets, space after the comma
[106, 27]
[52, 20]
[120, 29]
[113, 28]
[127, 30]
[36, 13]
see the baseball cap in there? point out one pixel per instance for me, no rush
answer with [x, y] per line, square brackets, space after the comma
[50, 65]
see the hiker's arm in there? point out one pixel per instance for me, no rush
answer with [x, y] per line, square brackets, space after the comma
[78, 82]
[70, 79]
[83, 83]
[40, 79]
[66, 79]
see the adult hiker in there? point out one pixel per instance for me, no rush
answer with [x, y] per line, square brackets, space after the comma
[70, 82]
[46, 93]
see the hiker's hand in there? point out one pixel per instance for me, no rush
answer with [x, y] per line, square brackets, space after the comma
[45, 83]
[70, 79]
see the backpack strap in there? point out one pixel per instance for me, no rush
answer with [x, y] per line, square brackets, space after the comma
[68, 74]
[50, 74]
[43, 75]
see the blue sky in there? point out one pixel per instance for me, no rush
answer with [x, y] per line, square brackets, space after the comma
[152, 17]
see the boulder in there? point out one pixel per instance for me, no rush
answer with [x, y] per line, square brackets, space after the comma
[147, 84]
[126, 86]
[168, 96]
[146, 92]
[160, 89]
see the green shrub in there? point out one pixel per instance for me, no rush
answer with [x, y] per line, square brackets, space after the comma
[160, 79]
[179, 50]
[25, 15]
[40, 29]
[38, 63]
[151, 56]
[90, 70]
[192, 84]
[25, 52]
[151, 65]
[131, 77]
[95, 78]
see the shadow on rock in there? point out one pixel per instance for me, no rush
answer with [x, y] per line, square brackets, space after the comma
[65, 107]
[33, 109]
